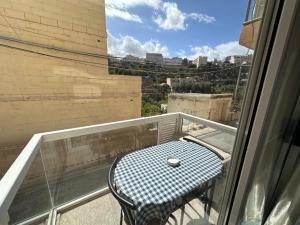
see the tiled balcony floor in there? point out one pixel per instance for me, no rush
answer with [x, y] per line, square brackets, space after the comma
[106, 211]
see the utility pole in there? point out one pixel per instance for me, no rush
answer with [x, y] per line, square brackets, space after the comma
[237, 84]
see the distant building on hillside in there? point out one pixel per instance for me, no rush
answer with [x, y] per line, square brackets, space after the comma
[156, 58]
[131, 58]
[217, 62]
[172, 62]
[175, 81]
[239, 59]
[201, 60]
[112, 58]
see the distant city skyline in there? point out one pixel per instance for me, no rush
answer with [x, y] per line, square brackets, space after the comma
[175, 28]
[228, 58]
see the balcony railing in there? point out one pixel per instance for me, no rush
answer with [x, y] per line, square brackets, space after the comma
[60, 169]
[254, 10]
[251, 26]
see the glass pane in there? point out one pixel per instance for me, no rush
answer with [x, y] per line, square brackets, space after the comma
[275, 141]
[79, 165]
[217, 138]
[33, 197]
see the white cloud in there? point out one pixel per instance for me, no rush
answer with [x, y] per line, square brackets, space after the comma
[167, 15]
[122, 13]
[119, 8]
[175, 19]
[219, 52]
[181, 53]
[128, 45]
[201, 17]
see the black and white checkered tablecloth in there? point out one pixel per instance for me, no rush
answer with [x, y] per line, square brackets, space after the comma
[157, 188]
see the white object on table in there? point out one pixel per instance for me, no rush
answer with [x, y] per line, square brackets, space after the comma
[173, 161]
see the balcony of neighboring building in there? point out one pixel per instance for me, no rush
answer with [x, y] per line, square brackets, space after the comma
[60, 176]
[251, 26]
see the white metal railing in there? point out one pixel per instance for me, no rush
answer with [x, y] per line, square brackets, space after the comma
[254, 10]
[12, 180]
[80, 131]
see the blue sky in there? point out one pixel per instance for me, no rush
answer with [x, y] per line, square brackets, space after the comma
[185, 28]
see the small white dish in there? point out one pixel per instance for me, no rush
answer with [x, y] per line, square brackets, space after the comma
[173, 161]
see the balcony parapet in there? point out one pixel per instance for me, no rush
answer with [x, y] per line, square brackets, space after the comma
[164, 127]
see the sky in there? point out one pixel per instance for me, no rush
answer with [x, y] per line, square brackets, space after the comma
[175, 28]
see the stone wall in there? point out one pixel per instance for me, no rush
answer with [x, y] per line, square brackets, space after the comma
[216, 107]
[53, 72]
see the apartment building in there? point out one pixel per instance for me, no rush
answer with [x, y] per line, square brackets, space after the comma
[131, 58]
[176, 61]
[156, 58]
[239, 59]
[201, 60]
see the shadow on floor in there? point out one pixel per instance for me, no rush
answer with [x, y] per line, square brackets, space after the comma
[105, 210]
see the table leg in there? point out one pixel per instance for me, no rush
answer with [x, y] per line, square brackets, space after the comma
[205, 199]
[211, 195]
[121, 218]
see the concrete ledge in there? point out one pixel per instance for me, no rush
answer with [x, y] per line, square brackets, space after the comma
[197, 95]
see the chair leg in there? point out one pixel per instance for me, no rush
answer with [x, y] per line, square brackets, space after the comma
[173, 218]
[121, 218]
[182, 214]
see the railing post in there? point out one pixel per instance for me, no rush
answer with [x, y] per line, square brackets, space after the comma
[4, 219]
[158, 133]
[179, 124]
[248, 10]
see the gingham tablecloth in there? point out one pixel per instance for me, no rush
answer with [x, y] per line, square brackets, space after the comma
[157, 188]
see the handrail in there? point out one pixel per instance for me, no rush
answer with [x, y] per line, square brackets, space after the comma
[248, 10]
[254, 17]
[252, 21]
[13, 178]
[85, 130]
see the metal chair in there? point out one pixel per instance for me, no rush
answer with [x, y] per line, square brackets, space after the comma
[205, 193]
[126, 204]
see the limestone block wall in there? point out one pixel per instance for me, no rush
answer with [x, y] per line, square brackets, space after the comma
[53, 72]
[216, 107]
[71, 24]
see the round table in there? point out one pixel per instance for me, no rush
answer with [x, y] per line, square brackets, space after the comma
[157, 188]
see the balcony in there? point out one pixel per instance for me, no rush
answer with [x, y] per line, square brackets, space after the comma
[251, 26]
[60, 176]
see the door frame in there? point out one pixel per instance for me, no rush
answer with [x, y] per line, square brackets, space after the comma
[284, 16]
[278, 17]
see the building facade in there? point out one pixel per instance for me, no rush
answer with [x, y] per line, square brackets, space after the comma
[131, 58]
[239, 59]
[201, 60]
[156, 58]
[173, 62]
[54, 72]
[216, 107]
